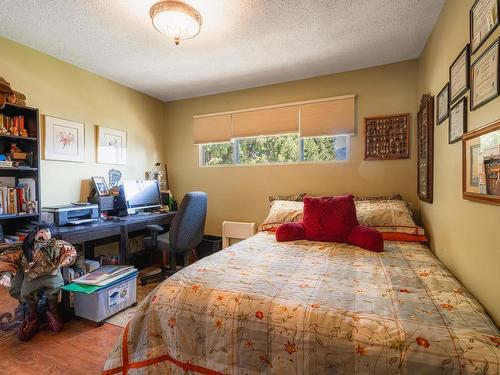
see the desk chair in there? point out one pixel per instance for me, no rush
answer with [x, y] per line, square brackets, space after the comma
[186, 232]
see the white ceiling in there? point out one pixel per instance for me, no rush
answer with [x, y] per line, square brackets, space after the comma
[243, 43]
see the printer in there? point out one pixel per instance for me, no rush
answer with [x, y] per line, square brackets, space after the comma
[71, 214]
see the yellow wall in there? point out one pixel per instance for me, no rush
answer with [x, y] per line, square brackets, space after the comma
[63, 90]
[464, 233]
[241, 193]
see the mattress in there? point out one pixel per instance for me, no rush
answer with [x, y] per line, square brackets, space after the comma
[306, 307]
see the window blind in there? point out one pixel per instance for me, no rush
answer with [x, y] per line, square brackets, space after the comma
[271, 121]
[327, 118]
[314, 118]
[212, 129]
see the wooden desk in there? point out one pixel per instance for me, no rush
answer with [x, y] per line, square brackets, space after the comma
[114, 230]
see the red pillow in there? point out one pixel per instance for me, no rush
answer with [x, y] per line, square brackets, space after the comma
[367, 238]
[290, 232]
[329, 219]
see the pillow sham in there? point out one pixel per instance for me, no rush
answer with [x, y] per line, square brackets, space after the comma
[392, 218]
[292, 197]
[282, 212]
[394, 197]
[389, 213]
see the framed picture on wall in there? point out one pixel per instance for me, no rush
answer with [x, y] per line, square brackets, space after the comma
[481, 164]
[111, 146]
[425, 148]
[64, 140]
[483, 21]
[484, 76]
[443, 104]
[457, 124]
[459, 75]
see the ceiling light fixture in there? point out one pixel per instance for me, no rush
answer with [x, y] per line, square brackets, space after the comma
[176, 20]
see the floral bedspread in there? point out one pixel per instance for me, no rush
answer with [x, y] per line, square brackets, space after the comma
[309, 308]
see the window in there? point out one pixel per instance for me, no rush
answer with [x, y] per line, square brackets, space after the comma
[274, 149]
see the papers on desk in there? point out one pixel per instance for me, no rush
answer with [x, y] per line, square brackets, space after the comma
[105, 275]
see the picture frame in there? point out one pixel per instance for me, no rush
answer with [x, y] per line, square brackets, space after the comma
[443, 104]
[481, 164]
[64, 140]
[100, 186]
[111, 146]
[485, 77]
[457, 123]
[459, 75]
[425, 149]
[387, 137]
[483, 20]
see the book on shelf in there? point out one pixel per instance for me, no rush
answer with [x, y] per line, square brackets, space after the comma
[105, 275]
[9, 122]
[15, 198]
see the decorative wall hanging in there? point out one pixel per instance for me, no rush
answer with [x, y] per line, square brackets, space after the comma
[443, 104]
[483, 21]
[459, 75]
[111, 146]
[481, 164]
[485, 72]
[457, 125]
[387, 137]
[425, 148]
[64, 140]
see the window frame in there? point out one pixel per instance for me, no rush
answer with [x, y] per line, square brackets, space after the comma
[301, 161]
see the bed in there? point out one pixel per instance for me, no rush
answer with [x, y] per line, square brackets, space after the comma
[306, 307]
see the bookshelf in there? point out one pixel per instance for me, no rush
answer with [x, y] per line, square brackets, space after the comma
[11, 222]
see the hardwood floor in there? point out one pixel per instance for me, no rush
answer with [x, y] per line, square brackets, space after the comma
[81, 348]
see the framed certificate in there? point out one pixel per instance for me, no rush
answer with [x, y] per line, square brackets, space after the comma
[459, 75]
[484, 74]
[443, 104]
[483, 21]
[457, 125]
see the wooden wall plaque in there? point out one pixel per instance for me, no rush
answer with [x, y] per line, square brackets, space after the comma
[425, 148]
[387, 137]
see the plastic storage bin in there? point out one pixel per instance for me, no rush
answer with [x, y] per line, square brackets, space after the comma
[107, 301]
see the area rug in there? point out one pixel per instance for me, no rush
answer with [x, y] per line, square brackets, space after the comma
[121, 319]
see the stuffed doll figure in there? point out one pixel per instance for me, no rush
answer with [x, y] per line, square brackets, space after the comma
[36, 265]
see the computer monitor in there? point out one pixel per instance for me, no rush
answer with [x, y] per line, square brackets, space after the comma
[141, 195]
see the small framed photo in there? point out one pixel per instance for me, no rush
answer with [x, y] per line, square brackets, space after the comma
[459, 75]
[100, 186]
[64, 140]
[111, 146]
[481, 164]
[457, 125]
[483, 21]
[484, 77]
[443, 104]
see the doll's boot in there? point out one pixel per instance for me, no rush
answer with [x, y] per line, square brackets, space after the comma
[53, 318]
[29, 326]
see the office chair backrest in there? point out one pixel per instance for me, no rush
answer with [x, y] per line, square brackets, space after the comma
[186, 230]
